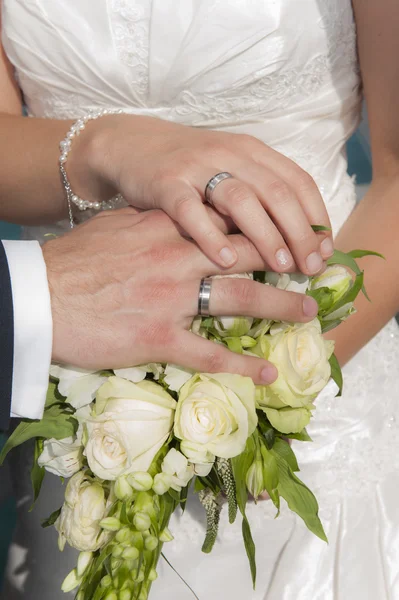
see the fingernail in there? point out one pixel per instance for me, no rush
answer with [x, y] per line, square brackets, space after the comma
[314, 262]
[227, 256]
[284, 258]
[310, 306]
[327, 247]
[269, 374]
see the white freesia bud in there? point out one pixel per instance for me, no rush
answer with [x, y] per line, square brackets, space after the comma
[124, 535]
[125, 595]
[207, 399]
[84, 507]
[151, 542]
[165, 536]
[106, 581]
[162, 483]
[254, 479]
[111, 596]
[130, 425]
[110, 524]
[123, 491]
[140, 481]
[176, 465]
[141, 521]
[117, 551]
[336, 278]
[71, 582]
[84, 560]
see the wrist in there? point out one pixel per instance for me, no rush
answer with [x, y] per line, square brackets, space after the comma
[89, 164]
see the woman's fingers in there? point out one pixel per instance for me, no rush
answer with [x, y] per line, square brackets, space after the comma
[194, 352]
[235, 198]
[183, 204]
[302, 183]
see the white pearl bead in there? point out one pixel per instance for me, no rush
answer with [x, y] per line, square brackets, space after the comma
[96, 205]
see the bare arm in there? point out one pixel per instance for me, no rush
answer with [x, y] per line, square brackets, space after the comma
[374, 224]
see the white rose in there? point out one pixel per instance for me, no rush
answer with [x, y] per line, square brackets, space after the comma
[137, 374]
[233, 326]
[177, 466]
[301, 356]
[131, 423]
[290, 282]
[78, 386]
[216, 413]
[84, 507]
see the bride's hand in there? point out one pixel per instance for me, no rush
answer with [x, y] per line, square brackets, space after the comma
[159, 164]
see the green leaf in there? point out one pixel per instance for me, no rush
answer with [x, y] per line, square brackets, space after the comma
[329, 325]
[37, 473]
[324, 298]
[286, 452]
[299, 498]
[336, 373]
[270, 474]
[183, 496]
[362, 253]
[52, 519]
[268, 432]
[53, 396]
[240, 465]
[56, 423]
[249, 547]
[352, 293]
[302, 436]
[234, 344]
[320, 228]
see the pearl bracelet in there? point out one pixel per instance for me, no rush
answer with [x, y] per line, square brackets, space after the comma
[65, 147]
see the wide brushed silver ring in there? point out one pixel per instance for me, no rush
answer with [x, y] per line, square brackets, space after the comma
[213, 182]
[204, 296]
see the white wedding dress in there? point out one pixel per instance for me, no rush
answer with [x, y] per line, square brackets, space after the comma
[284, 71]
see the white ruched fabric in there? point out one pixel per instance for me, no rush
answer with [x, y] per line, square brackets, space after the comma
[286, 72]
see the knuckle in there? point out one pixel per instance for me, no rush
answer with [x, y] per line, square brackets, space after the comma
[158, 335]
[214, 361]
[304, 181]
[184, 205]
[280, 192]
[237, 194]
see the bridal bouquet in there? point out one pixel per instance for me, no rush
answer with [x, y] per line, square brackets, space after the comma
[133, 441]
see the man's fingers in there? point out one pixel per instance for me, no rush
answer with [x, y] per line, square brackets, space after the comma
[194, 352]
[251, 298]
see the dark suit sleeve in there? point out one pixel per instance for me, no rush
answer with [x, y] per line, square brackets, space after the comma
[6, 340]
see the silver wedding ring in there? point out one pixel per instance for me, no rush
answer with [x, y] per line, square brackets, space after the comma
[212, 183]
[204, 296]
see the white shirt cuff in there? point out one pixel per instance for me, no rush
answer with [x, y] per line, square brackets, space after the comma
[33, 328]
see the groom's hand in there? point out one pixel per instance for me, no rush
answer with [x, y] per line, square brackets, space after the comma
[124, 290]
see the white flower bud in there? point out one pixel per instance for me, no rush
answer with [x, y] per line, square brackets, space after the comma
[140, 481]
[130, 553]
[117, 551]
[71, 582]
[166, 536]
[336, 278]
[151, 543]
[255, 480]
[122, 489]
[110, 524]
[84, 560]
[106, 581]
[111, 596]
[124, 535]
[232, 326]
[152, 575]
[141, 521]
[162, 482]
[125, 595]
